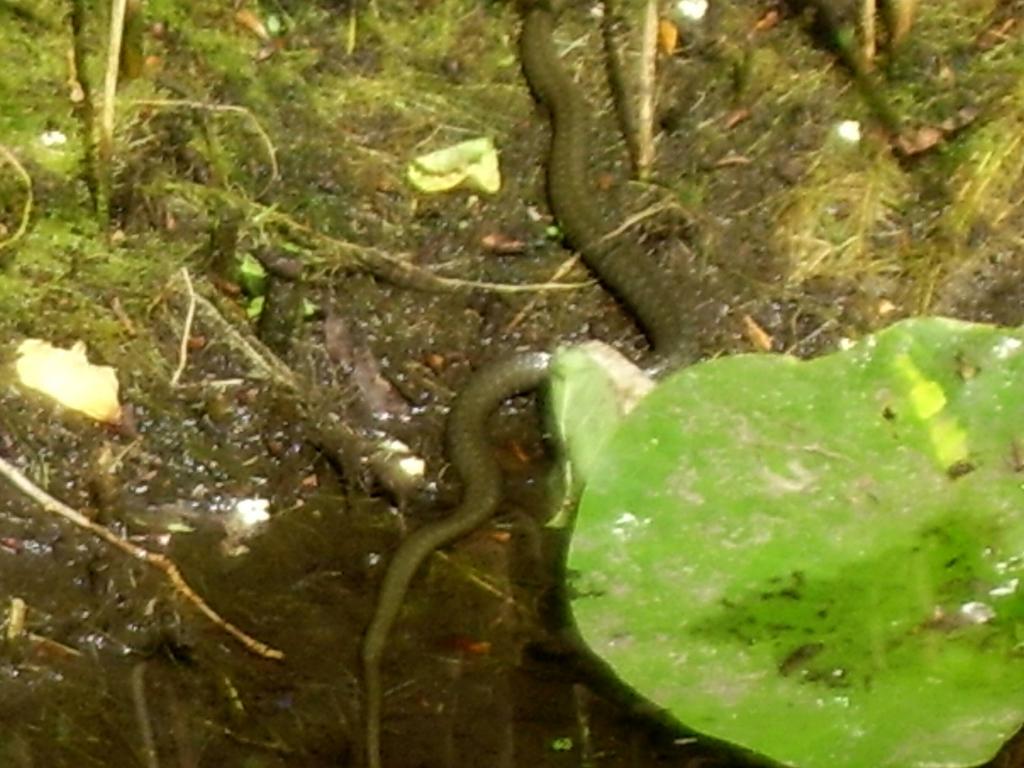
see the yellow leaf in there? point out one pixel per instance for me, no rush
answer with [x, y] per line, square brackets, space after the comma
[69, 378]
[473, 162]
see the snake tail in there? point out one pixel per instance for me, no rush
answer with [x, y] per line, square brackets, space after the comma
[472, 458]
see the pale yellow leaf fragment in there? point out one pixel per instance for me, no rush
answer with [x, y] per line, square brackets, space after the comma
[473, 162]
[69, 378]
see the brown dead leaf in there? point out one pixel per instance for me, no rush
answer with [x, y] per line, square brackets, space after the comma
[996, 35]
[227, 287]
[467, 645]
[963, 117]
[756, 335]
[916, 141]
[518, 452]
[733, 158]
[668, 36]
[267, 50]
[767, 21]
[252, 23]
[736, 117]
[153, 65]
[502, 244]
[435, 362]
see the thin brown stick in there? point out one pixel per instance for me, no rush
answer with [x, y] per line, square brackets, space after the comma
[165, 564]
[563, 269]
[142, 715]
[612, 35]
[902, 18]
[117, 14]
[633, 97]
[646, 88]
[393, 268]
[262, 359]
[16, 619]
[186, 332]
[868, 40]
[26, 209]
[230, 108]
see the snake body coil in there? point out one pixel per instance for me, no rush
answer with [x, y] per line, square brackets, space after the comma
[627, 271]
[471, 456]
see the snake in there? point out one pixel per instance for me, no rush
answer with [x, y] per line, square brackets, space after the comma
[471, 457]
[626, 270]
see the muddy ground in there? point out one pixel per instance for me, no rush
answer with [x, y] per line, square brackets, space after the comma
[281, 132]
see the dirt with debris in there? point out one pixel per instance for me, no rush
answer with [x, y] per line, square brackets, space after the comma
[280, 134]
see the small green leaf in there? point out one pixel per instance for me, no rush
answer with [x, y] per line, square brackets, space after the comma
[252, 275]
[254, 308]
[561, 744]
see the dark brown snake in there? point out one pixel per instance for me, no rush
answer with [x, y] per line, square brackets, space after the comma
[622, 266]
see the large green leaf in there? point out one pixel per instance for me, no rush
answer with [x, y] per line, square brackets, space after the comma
[820, 561]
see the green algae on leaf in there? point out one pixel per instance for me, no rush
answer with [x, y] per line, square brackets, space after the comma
[819, 560]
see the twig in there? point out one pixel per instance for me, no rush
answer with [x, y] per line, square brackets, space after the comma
[80, 94]
[378, 262]
[26, 210]
[639, 216]
[262, 359]
[186, 332]
[828, 25]
[646, 81]
[16, 619]
[117, 14]
[391, 267]
[142, 715]
[868, 41]
[342, 444]
[615, 67]
[165, 564]
[635, 110]
[122, 317]
[563, 269]
[473, 576]
[901, 19]
[351, 32]
[268, 145]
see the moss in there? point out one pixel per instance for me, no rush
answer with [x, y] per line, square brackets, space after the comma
[986, 186]
[838, 221]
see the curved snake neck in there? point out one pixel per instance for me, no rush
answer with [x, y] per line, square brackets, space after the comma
[626, 270]
[470, 454]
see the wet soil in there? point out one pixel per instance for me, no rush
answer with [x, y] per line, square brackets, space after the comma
[759, 215]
